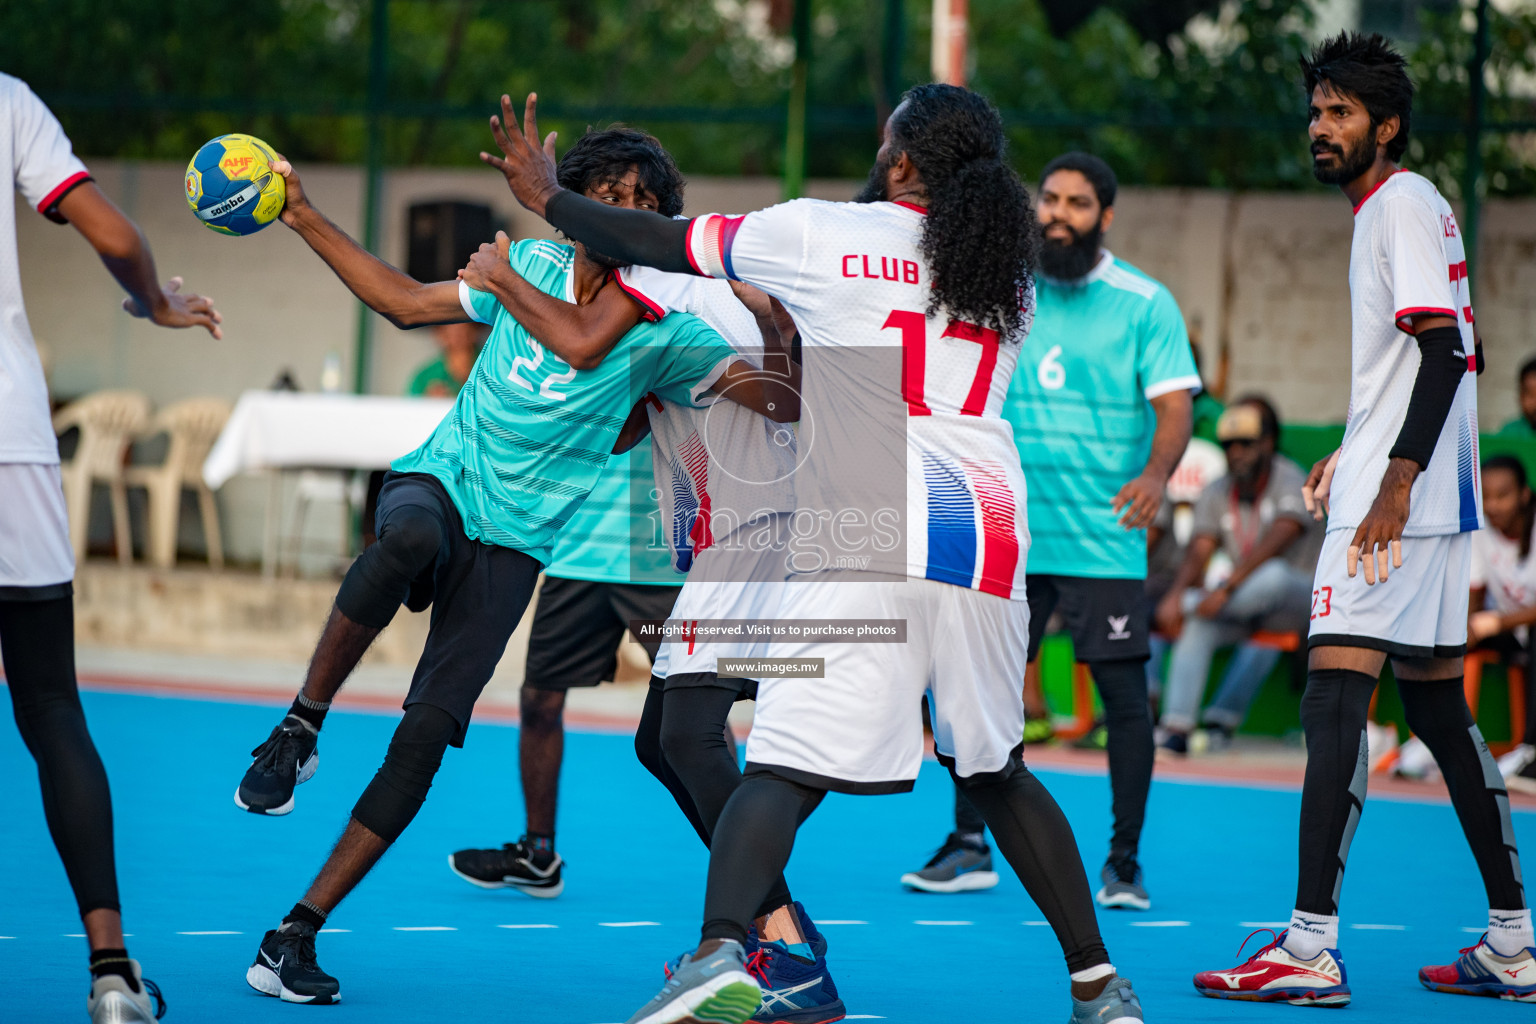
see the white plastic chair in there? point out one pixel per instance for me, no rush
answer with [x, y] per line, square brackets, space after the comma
[192, 426]
[108, 421]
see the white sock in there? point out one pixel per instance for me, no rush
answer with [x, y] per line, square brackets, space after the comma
[1509, 931]
[1094, 973]
[1310, 934]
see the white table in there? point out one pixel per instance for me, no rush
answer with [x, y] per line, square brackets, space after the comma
[278, 431]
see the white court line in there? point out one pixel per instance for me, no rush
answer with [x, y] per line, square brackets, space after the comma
[1035, 924]
[527, 926]
[1379, 927]
[7, 936]
[629, 924]
[425, 928]
[850, 921]
[1475, 931]
[333, 931]
[1159, 924]
[1263, 924]
[210, 933]
[863, 1016]
[79, 935]
[944, 924]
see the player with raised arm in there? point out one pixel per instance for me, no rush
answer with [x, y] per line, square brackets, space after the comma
[1401, 497]
[723, 476]
[467, 519]
[910, 307]
[37, 561]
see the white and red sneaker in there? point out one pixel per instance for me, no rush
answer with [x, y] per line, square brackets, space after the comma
[1273, 975]
[1481, 972]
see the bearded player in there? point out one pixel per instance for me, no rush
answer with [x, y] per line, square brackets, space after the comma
[1401, 496]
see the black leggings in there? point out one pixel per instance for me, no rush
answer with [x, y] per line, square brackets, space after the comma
[681, 740]
[757, 832]
[37, 644]
[1333, 713]
[1122, 687]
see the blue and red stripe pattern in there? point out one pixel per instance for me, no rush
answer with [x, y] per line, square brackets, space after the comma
[1467, 482]
[692, 530]
[963, 496]
[709, 244]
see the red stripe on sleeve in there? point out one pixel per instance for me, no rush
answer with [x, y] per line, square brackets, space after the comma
[1403, 317]
[59, 190]
[693, 225]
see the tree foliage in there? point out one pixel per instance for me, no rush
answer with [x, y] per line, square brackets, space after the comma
[1168, 100]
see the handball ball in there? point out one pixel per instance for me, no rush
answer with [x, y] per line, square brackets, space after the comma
[231, 186]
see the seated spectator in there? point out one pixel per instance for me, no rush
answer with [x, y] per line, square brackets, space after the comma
[1253, 546]
[1524, 425]
[443, 377]
[1503, 601]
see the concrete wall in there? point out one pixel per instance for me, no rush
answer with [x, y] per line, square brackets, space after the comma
[1259, 276]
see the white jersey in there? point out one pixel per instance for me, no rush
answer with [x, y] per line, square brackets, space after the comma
[1406, 259]
[44, 167]
[901, 414]
[719, 466]
[1510, 580]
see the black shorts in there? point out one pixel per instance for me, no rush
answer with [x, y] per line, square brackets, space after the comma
[1106, 618]
[478, 593]
[577, 626]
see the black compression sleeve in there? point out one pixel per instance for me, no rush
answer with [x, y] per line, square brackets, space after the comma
[1442, 364]
[630, 236]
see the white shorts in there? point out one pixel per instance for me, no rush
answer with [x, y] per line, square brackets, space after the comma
[1419, 611]
[710, 599]
[34, 527]
[860, 729]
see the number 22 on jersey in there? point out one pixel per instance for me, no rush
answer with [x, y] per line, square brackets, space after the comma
[547, 389]
[920, 391]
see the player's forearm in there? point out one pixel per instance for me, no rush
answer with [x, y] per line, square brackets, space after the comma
[1442, 365]
[118, 241]
[134, 270]
[637, 237]
[1175, 422]
[581, 335]
[390, 292]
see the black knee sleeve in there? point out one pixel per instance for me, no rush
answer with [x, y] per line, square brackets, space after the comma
[380, 579]
[1333, 715]
[400, 786]
[1437, 713]
[37, 647]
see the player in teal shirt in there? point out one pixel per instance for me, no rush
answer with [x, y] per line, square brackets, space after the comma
[1101, 410]
[465, 521]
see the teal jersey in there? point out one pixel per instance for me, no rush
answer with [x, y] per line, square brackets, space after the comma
[529, 436]
[615, 536]
[1080, 408]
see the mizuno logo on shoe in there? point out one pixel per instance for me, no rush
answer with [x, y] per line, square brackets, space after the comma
[1517, 970]
[1232, 978]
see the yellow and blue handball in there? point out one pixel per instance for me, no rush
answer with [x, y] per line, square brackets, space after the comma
[231, 186]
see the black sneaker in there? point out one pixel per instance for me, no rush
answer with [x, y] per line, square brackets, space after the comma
[285, 967]
[513, 866]
[287, 758]
[1175, 744]
[1524, 780]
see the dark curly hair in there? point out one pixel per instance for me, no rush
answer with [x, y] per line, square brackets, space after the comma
[605, 155]
[1367, 68]
[980, 239]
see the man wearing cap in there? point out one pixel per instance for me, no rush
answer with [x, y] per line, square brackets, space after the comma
[1100, 407]
[1248, 567]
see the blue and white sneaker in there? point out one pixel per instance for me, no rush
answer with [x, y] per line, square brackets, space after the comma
[1481, 972]
[716, 989]
[795, 991]
[813, 937]
[958, 866]
[1117, 1004]
[1124, 887]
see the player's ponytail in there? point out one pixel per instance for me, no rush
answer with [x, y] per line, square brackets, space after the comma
[980, 239]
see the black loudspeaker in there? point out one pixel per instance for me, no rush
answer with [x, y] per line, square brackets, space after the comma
[442, 236]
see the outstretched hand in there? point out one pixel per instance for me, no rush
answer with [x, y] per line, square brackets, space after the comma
[486, 262]
[178, 310]
[528, 166]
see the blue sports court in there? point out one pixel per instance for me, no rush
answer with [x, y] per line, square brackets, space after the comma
[201, 881]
